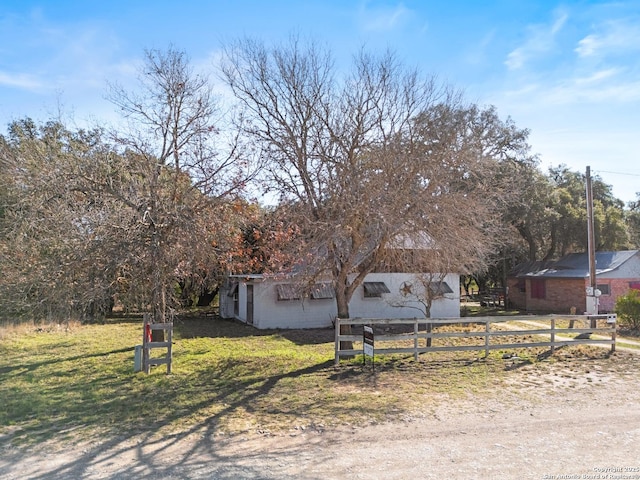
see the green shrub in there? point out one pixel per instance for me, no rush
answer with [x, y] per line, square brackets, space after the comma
[628, 309]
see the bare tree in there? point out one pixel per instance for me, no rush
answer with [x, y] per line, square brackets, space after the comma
[368, 158]
[184, 170]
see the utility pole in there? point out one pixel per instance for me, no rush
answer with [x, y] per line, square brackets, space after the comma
[592, 298]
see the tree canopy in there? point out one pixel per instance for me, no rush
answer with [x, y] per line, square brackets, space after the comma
[371, 168]
[366, 160]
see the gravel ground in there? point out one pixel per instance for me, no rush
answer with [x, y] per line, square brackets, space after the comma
[569, 420]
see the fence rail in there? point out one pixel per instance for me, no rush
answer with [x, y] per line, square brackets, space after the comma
[488, 333]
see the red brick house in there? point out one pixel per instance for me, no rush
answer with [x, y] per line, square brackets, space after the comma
[560, 285]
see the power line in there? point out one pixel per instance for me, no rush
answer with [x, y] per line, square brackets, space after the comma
[619, 173]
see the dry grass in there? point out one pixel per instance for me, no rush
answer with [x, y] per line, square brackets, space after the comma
[77, 381]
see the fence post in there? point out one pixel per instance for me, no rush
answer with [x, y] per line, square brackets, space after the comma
[486, 338]
[553, 335]
[145, 343]
[170, 349]
[611, 320]
[415, 339]
[148, 344]
[336, 359]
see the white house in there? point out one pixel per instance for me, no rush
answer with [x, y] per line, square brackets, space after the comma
[267, 302]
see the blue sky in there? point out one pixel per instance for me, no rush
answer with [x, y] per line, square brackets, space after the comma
[568, 71]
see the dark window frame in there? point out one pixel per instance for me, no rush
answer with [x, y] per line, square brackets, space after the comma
[286, 292]
[440, 288]
[322, 291]
[374, 289]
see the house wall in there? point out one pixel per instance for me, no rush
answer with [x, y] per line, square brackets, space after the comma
[225, 303]
[618, 281]
[561, 295]
[564, 293]
[617, 288]
[269, 312]
[517, 299]
[395, 305]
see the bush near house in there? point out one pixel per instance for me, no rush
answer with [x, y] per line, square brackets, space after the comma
[628, 309]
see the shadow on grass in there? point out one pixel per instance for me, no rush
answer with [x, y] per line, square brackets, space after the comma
[629, 332]
[134, 417]
[517, 363]
[216, 327]
[28, 367]
[138, 451]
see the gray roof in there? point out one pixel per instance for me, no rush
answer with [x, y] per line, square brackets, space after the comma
[574, 265]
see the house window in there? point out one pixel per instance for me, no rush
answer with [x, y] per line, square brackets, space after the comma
[604, 289]
[538, 289]
[440, 288]
[288, 291]
[321, 290]
[522, 285]
[374, 289]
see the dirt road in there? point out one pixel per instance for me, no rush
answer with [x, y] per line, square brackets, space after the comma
[565, 421]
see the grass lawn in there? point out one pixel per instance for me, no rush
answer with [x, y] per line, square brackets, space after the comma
[77, 381]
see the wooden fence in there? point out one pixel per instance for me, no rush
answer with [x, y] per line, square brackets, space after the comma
[148, 344]
[418, 336]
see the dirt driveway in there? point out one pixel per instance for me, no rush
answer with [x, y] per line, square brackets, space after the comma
[571, 420]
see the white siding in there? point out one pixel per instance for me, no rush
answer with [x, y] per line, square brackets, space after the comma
[395, 305]
[225, 302]
[269, 312]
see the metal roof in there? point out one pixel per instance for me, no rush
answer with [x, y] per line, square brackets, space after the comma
[375, 288]
[575, 265]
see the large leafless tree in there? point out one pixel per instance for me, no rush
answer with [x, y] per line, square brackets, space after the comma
[371, 159]
[189, 166]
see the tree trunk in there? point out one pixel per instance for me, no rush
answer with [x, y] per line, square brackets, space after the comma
[343, 312]
[551, 251]
[526, 234]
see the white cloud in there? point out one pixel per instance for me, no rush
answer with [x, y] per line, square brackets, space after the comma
[540, 39]
[22, 81]
[617, 37]
[598, 76]
[605, 87]
[382, 19]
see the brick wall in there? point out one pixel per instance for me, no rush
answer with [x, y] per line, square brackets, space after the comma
[560, 295]
[617, 287]
[563, 293]
[517, 299]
